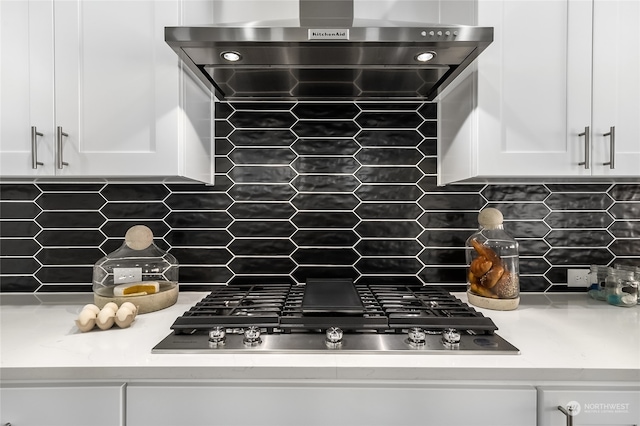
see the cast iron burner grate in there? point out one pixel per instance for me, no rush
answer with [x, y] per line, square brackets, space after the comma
[278, 308]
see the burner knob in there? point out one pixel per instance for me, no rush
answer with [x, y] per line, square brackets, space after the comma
[217, 335]
[333, 336]
[417, 336]
[451, 338]
[252, 336]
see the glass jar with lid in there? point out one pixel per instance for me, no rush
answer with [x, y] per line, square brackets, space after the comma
[493, 272]
[621, 288]
[597, 279]
[138, 272]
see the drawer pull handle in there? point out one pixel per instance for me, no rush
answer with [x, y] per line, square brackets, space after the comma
[612, 147]
[61, 163]
[587, 148]
[34, 148]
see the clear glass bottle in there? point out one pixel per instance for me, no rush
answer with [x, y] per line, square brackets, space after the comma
[621, 287]
[597, 277]
[139, 272]
[493, 273]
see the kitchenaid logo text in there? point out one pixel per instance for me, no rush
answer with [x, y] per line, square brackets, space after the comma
[328, 34]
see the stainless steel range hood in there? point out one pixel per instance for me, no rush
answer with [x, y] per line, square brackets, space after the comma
[328, 56]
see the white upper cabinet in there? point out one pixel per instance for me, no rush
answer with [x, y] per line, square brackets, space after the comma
[558, 76]
[120, 102]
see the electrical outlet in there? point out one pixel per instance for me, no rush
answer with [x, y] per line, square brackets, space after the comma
[578, 277]
[127, 275]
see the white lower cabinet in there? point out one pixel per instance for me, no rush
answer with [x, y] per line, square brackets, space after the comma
[68, 404]
[584, 405]
[335, 403]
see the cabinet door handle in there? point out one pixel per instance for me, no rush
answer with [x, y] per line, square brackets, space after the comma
[567, 412]
[61, 163]
[612, 147]
[587, 148]
[34, 148]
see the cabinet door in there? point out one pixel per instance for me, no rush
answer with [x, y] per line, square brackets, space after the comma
[616, 87]
[26, 87]
[117, 88]
[62, 405]
[523, 86]
[281, 404]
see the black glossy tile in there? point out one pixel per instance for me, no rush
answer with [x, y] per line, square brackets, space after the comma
[430, 184]
[372, 192]
[201, 256]
[459, 219]
[210, 238]
[316, 129]
[429, 165]
[429, 110]
[198, 219]
[526, 229]
[282, 156]
[262, 106]
[271, 228]
[261, 192]
[18, 284]
[325, 183]
[389, 137]
[325, 165]
[262, 137]
[71, 237]
[325, 256]
[222, 129]
[18, 247]
[248, 210]
[388, 229]
[70, 201]
[578, 187]
[579, 238]
[557, 275]
[221, 184]
[625, 192]
[203, 274]
[520, 211]
[65, 274]
[196, 201]
[222, 109]
[429, 129]
[71, 187]
[262, 247]
[303, 272]
[262, 174]
[255, 119]
[447, 201]
[533, 284]
[388, 106]
[389, 280]
[135, 192]
[578, 220]
[389, 156]
[625, 211]
[222, 164]
[578, 256]
[626, 247]
[389, 174]
[325, 238]
[388, 211]
[19, 209]
[532, 247]
[18, 191]
[322, 111]
[325, 146]
[263, 279]
[515, 192]
[619, 229]
[388, 247]
[65, 288]
[258, 265]
[445, 275]
[429, 147]
[311, 201]
[389, 265]
[150, 210]
[15, 228]
[325, 220]
[62, 219]
[445, 238]
[118, 228]
[69, 256]
[222, 146]
[389, 119]
[531, 265]
[578, 201]
[437, 256]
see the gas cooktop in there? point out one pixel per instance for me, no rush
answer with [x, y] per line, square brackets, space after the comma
[333, 315]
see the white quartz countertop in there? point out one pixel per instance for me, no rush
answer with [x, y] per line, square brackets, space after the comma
[561, 337]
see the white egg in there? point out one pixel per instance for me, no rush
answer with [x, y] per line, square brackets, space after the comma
[86, 320]
[128, 305]
[92, 307]
[124, 317]
[106, 318]
[111, 305]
